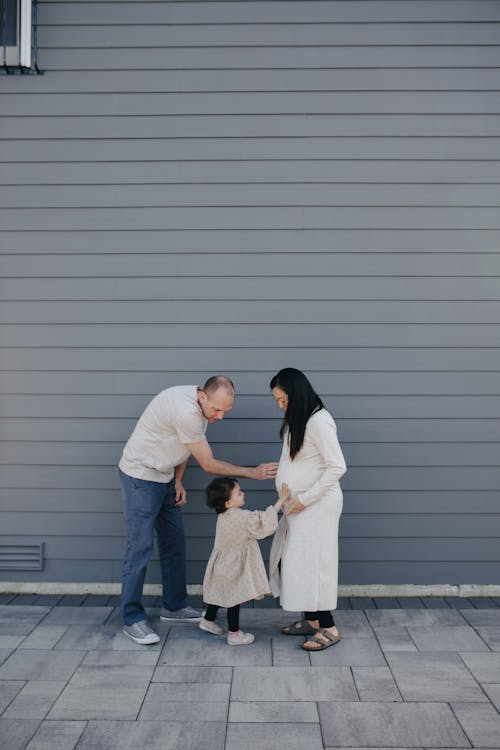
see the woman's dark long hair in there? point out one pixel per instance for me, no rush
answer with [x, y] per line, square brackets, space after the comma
[303, 401]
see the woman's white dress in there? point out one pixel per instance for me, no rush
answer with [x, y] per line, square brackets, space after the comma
[309, 552]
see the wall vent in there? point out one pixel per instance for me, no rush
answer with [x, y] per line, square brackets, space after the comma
[21, 556]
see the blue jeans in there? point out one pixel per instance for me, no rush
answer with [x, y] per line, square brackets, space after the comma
[149, 506]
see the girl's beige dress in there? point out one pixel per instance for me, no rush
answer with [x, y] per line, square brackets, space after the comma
[235, 570]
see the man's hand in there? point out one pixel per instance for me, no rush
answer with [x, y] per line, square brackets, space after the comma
[265, 471]
[293, 506]
[180, 495]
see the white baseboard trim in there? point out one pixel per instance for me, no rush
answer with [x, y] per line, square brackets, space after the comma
[463, 590]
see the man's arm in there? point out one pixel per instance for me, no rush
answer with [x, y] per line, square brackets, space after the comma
[203, 454]
[180, 492]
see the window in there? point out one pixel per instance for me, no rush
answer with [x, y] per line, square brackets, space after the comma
[18, 35]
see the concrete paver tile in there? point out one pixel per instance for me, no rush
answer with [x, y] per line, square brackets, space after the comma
[484, 667]
[440, 638]
[287, 712]
[353, 624]
[493, 693]
[8, 691]
[413, 617]
[200, 675]
[293, 684]
[482, 617]
[98, 702]
[287, 652]
[350, 652]
[186, 702]
[214, 652]
[491, 636]
[394, 638]
[40, 665]
[35, 700]
[362, 725]
[481, 723]
[153, 735]
[266, 737]
[147, 657]
[376, 684]
[57, 735]
[44, 636]
[433, 677]
[78, 615]
[97, 637]
[10, 641]
[15, 734]
[22, 614]
[4, 654]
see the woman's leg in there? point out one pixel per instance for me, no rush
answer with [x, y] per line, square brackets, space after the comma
[233, 618]
[324, 618]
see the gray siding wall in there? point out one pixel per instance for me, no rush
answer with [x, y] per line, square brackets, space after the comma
[195, 187]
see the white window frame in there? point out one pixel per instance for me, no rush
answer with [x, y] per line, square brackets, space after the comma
[20, 53]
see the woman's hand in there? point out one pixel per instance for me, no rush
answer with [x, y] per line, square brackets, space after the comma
[294, 506]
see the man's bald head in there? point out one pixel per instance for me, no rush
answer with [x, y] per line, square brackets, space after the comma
[216, 397]
[219, 381]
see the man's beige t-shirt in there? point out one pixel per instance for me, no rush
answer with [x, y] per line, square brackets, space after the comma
[158, 443]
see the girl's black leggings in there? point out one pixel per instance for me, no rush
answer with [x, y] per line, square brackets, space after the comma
[233, 616]
[324, 616]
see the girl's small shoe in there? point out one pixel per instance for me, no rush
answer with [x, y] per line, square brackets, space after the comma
[210, 627]
[240, 638]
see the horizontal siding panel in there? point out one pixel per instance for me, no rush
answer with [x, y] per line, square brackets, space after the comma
[97, 453]
[79, 196]
[238, 335]
[309, 102]
[313, 287]
[264, 35]
[104, 13]
[248, 430]
[261, 407]
[244, 311]
[241, 172]
[248, 126]
[251, 359]
[329, 383]
[196, 265]
[165, 81]
[234, 217]
[206, 149]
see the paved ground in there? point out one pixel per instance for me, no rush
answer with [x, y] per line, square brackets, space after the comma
[420, 675]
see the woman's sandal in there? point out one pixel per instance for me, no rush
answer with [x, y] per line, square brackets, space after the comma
[323, 637]
[301, 627]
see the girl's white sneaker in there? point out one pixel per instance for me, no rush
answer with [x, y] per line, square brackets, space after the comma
[210, 627]
[240, 638]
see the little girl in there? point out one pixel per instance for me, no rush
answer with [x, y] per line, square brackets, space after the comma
[235, 570]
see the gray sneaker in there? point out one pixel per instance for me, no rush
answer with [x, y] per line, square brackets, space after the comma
[140, 632]
[186, 614]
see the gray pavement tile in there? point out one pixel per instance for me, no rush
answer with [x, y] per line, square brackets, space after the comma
[376, 684]
[200, 675]
[153, 735]
[363, 725]
[44, 636]
[10, 641]
[186, 702]
[266, 737]
[148, 657]
[57, 735]
[40, 665]
[493, 693]
[112, 676]
[483, 617]
[214, 652]
[287, 712]
[350, 652]
[293, 684]
[98, 637]
[439, 638]
[191, 630]
[18, 613]
[98, 703]
[433, 677]
[362, 602]
[394, 638]
[434, 602]
[411, 617]
[35, 700]
[78, 615]
[481, 723]
[491, 636]
[8, 691]
[484, 667]
[14, 734]
[353, 624]
[5, 653]
[287, 652]
[22, 627]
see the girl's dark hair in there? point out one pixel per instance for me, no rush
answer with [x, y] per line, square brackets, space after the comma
[303, 401]
[219, 491]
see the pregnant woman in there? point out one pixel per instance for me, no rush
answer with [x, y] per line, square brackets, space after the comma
[304, 557]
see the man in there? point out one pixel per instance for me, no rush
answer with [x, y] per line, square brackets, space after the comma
[151, 470]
